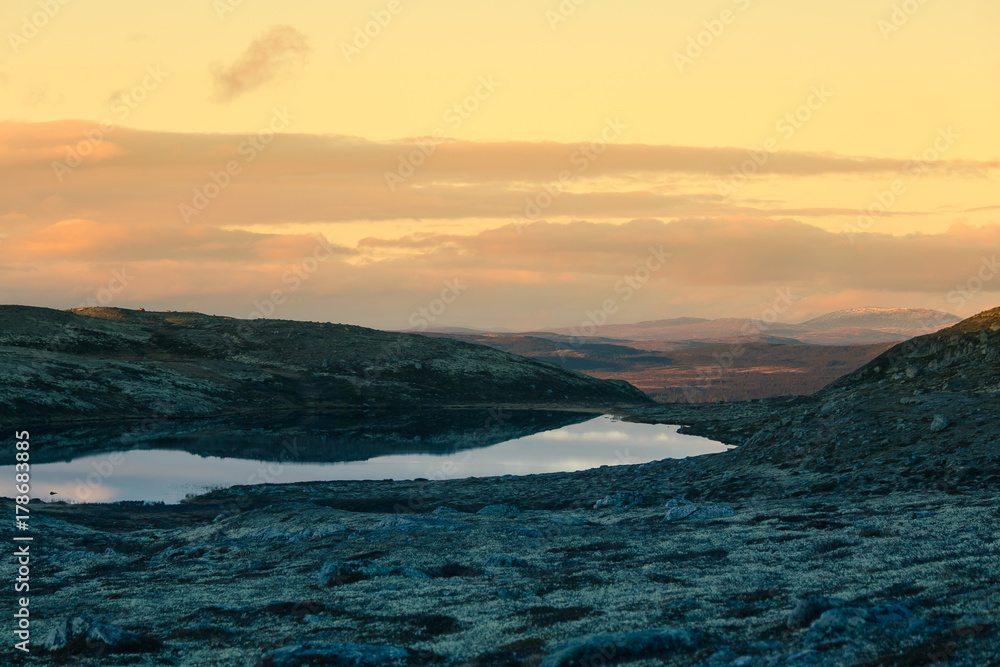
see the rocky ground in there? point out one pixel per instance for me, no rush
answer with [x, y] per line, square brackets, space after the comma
[854, 527]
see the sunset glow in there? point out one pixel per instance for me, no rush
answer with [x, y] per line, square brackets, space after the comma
[342, 161]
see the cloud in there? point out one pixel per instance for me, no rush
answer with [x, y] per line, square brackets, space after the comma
[452, 219]
[137, 175]
[547, 275]
[272, 55]
[718, 253]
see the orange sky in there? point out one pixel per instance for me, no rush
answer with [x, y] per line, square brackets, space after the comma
[243, 158]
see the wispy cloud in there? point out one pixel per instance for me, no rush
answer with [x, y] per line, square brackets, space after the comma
[279, 52]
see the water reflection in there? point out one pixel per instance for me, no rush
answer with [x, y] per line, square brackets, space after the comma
[169, 475]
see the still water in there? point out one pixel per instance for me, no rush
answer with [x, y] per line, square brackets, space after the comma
[170, 475]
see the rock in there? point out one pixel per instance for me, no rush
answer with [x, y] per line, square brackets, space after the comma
[939, 424]
[333, 654]
[619, 500]
[503, 560]
[698, 512]
[807, 609]
[838, 623]
[503, 509]
[612, 648]
[272, 533]
[409, 523]
[338, 574]
[680, 512]
[81, 634]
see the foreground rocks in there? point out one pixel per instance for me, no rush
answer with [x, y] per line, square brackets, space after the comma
[791, 578]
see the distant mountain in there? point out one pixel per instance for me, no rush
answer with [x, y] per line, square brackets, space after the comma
[689, 329]
[856, 326]
[884, 319]
[694, 372]
[112, 363]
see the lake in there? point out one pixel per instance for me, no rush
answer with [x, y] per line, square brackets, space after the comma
[169, 475]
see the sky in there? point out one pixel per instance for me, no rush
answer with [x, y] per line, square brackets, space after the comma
[518, 163]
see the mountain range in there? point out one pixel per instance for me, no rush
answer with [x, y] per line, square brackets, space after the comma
[855, 326]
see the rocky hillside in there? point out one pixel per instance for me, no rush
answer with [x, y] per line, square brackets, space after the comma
[111, 363]
[925, 410]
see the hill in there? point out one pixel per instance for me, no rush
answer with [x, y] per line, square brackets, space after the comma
[857, 326]
[923, 320]
[923, 413]
[111, 363]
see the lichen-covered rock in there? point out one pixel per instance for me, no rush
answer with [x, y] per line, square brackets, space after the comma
[619, 500]
[616, 647]
[409, 523]
[699, 512]
[810, 607]
[82, 635]
[501, 509]
[355, 655]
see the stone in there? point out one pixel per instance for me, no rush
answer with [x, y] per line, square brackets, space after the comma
[359, 655]
[409, 523]
[502, 509]
[807, 609]
[616, 647]
[82, 634]
[619, 500]
[939, 424]
[338, 574]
